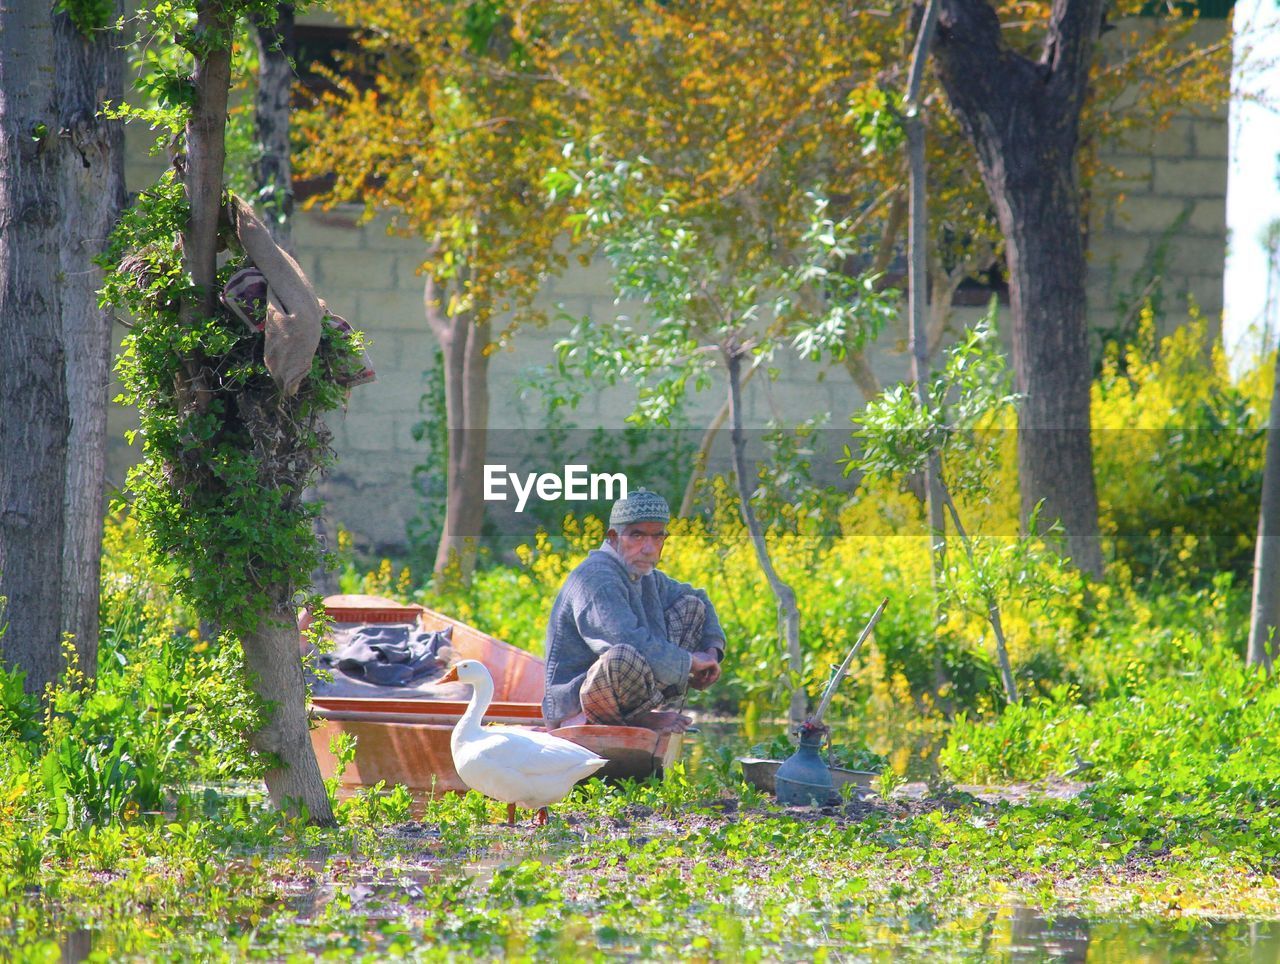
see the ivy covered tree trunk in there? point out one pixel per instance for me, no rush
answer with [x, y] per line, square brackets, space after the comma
[34, 417]
[90, 71]
[464, 344]
[61, 168]
[271, 649]
[1023, 116]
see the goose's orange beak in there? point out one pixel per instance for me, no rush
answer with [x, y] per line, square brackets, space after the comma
[449, 677]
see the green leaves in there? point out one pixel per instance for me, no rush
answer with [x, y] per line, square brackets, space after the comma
[705, 290]
[828, 310]
[876, 119]
[961, 421]
[1199, 749]
[88, 15]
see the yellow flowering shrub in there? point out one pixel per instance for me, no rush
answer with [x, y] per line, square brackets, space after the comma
[1178, 450]
[838, 582]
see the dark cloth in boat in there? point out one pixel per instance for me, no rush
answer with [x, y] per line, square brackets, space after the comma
[602, 606]
[388, 654]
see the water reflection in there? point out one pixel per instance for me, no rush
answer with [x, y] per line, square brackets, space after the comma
[389, 894]
[1024, 934]
[400, 891]
[1031, 935]
[1019, 933]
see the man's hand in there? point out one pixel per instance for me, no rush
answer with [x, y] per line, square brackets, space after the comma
[704, 670]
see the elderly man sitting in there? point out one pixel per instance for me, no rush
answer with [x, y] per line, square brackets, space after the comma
[624, 638]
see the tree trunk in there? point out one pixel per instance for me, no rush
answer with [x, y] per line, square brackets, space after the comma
[463, 344]
[271, 652]
[702, 457]
[272, 168]
[918, 309]
[273, 176]
[1265, 616]
[272, 662]
[863, 375]
[944, 283]
[1023, 119]
[33, 394]
[206, 154]
[918, 274]
[89, 72]
[788, 611]
[1052, 368]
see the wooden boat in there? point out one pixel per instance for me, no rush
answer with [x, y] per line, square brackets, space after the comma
[406, 741]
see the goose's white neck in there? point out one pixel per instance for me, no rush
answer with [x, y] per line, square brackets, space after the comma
[468, 725]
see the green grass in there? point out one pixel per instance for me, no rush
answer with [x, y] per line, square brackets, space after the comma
[688, 868]
[131, 827]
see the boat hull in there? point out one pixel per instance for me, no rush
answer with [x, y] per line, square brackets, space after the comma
[392, 750]
[406, 741]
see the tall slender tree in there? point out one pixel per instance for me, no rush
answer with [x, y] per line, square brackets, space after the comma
[273, 167]
[90, 73]
[1264, 620]
[61, 186]
[1265, 614]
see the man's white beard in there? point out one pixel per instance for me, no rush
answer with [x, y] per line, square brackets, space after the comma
[633, 569]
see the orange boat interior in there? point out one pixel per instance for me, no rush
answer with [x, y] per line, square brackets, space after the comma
[406, 741]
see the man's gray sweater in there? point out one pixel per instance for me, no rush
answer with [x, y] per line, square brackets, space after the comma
[602, 605]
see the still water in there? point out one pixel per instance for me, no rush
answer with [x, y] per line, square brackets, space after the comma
[1019, 934]
[1026, 934]
[1010, 933]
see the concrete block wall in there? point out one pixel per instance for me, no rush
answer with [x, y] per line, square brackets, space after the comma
[1163, 211]
[1166, 217]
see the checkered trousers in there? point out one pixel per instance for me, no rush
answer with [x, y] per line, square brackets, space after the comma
[620, 685]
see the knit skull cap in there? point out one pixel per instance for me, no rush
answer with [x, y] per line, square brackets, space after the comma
[639, 506]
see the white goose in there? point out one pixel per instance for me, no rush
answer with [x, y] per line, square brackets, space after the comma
[513, 764]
